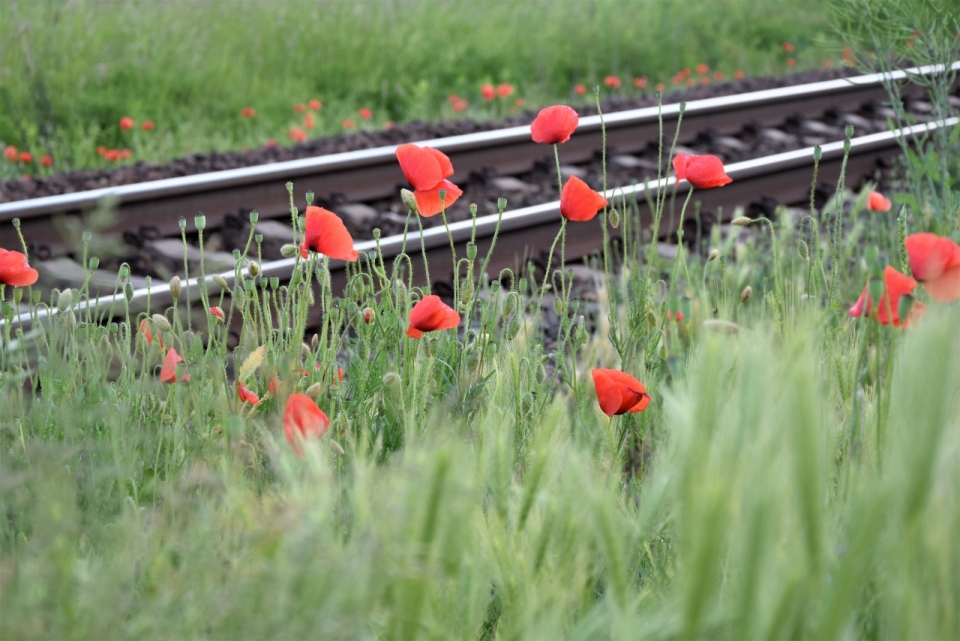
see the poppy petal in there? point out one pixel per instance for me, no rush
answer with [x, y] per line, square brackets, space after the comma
[446, 167]
[326, 233]
[554, 125]
[878, 202]
[930, 255]
[431, 314]
[945, 288]
[705, 172]
[428, 200]
[578, 202]
[680, 165]
[420, 167]
[15, 271]
[618, 392]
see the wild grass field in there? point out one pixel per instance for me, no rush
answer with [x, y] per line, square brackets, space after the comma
[69, 71]
[756, 438]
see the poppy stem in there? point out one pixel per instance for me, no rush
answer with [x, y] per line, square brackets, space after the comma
[453, 259]
[546, 276]
[423, 250]
[563, 231]
[676, 264]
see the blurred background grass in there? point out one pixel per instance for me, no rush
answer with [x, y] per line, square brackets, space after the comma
[70, 70]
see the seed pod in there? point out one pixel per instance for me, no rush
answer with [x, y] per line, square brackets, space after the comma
[513, 328]
[848, 130]
[161, 321]
[471, 251]
[501, 204]
[409, 199]
[288, 251]
[526, 403]
[220, 281]
[557, 305]
[200, 222]
[746, 293]
[254, 217]
[183, 223]
[258, 239]
[817, 153]
[713, 255]
[741, 221]
[473, 210]
[175, 287]
[274, 282]
[93, 263]
[253, 268]
[310, 197]
[614, 218]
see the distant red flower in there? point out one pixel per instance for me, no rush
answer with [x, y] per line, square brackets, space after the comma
[520, 102]
[147, 125]
[297, 134]
[504, 90]
[113, 155]
[878, 202]
[705, 80]
[10, 153]
[718, 75]
[661, 87]
[738, 74]
[25, 157]
[365, 113]
[578, 202]
[702, 69]
[101, 151]
[125, 153]
[302, 419]
[677, 79]
[847, 55]
[826, 64]
[910, 42]
[326, 234]
[458, 103]
[554, 125]
[348, 123]
[315, 104]
[246, 395]
[788, 47]
[14, 269]
[46, 160]
[431, 314]
[248, 112]
[791, 62]
[488, 92]
[895, 286]
[168, 371]
[216, 312]
[684, 73]
[935, 262]
[388, 125]
[677, 315]
[274, 385]
[703, 172]
[309, 121]
[612, 81]
[126, 123]
[299, 108]
[691, 82]
[618, 392]
[580, 89]
[272, 142]
[640, 83]
[427, 169]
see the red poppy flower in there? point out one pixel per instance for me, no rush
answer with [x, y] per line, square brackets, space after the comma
[25, 157]
[520, 102]
[612, 81]
[661, 87]
[427, 170]
[504, 90]
[297, 134]
[718, 75]
[705, 80]
[248, 112]
[488, 92]
[309, 121]
[101, 151]
[580, 89]
[691, 82]
[299, 108]
[554, 125]
[315, 104]
[46, 160]
[126, 123]
[431, 314]
[826, 64]
[246, 395]
[168, 371]
[787, 47]
[738, 74]
[125, 153]
[388, 125]
[791, 62]
[302, 419]
[640, 83]
[365, 113]
[216, 312]
[147, 125]
[10, 153]
[578, 202]
[618, 392]
[677, 316]
[272, 142]
[14, 270]
[113, 155]
[702, 69]
[274, 385]
[935, 262]
[703, 172]
[147, 335]
[895, 286]
[458, 103]
[327, 235]
[878, 202]
[348, 123]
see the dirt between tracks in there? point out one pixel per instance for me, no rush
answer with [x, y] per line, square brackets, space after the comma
[82, 180]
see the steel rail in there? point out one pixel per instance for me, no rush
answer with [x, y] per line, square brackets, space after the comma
[786, 174]
[373, 173]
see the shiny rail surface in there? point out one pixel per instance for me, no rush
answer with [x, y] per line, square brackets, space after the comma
[373, 173]
[785, 176]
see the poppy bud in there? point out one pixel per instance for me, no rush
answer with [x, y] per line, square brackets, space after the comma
[236, 255]
[161, 321]
[16, 223]
[94, 263]
[105, 342]
[522, 285]
[175, 287]
[368, 316]
[526, 403]
[87, 236]
[817, 153]
[274, 282]
[614, 218]
[391, 379]
[471, 251]
[65, 300]
[248, 286]
[471, 358]
[741, 221]
[217, 313]
[128, 291]
[510, 304]
[848, 130]
[540, 374]
[846, 146]
[557, 305]
[513, 328]
[288, 251]
[315, 390]
[220, 281]
[314, 341]
[253, 268]
[124, 272]
[803, 250]
[746, 293]
[258, 239]
[409, 199]
[713, 255]
[239, 297]
[183, 223]
[71, 320]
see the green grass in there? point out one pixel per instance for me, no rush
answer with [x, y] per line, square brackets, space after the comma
[69, 71]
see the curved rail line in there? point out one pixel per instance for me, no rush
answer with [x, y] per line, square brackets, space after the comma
[787, 175]
[373, 173]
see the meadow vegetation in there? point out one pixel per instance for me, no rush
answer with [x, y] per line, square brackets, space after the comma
[69, 71]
